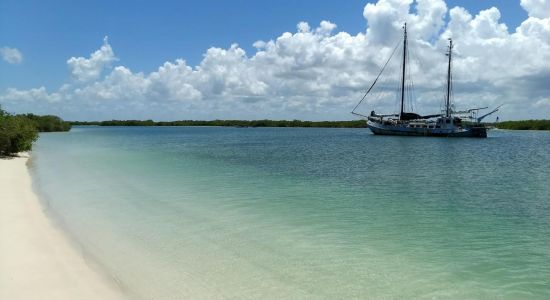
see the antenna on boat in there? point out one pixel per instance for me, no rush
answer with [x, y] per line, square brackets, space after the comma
[404, 66]
[449, 79]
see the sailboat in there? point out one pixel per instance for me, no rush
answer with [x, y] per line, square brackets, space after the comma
[448, 123]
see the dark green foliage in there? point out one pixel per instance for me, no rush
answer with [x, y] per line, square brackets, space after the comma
[49, 123]
[524, 125]
[17, 133]
[128, 123]
[84, 123]
[232, 123]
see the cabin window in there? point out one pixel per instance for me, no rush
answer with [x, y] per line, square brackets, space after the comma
[447, 121]
[437, 126]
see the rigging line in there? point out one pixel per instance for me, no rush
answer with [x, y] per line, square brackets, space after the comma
[398, 80]
[397, 87]
[410, 86]
[416, 59]
[412, 95]
[409, 82]
[443, 102]
[402, 87]
[381, 71]
[451, 95]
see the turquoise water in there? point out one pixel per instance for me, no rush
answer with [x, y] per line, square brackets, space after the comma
[288, 213]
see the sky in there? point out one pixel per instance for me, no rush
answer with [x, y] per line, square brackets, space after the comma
[168, 60]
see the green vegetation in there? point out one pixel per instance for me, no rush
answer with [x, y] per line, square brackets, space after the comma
[232, 123]
[49, 123]
[514, 125]
[18, 132]
[524, 125]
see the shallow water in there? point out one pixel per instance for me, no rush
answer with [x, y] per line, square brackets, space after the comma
[281, 213]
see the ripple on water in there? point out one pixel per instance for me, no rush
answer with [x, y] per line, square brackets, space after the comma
[305, 213]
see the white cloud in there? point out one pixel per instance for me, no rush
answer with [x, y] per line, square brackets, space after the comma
[537, 8]
[32, 95]
[318, 73]
[536, 29]
[11, 55]
[543, 103]
[303, 27]
[86, 69]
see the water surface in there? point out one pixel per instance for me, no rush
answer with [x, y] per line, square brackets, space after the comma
[289, 213]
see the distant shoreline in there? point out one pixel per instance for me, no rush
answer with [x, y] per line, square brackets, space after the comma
[229, 123]
[511, 125]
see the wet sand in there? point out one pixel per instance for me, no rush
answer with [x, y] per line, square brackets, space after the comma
[37, 261]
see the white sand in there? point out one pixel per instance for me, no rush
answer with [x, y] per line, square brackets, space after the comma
[37, 261]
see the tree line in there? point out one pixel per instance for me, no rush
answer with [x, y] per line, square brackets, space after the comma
[231, 123]
[19, 132]
[524, 125]
[512, 125]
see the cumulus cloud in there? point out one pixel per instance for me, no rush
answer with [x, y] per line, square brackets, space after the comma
[317, 72]
[37, 94]
[11, 55]
[386, 18]
[537, 8]
[86, 69]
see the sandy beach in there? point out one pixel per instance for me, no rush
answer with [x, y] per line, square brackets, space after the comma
[37, 261]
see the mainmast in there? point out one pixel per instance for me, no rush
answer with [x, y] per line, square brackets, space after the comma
[404, 66]
[448, 99]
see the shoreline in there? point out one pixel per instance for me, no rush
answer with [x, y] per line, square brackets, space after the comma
[38, 261]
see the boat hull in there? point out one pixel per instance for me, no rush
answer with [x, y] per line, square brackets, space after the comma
[401, 130]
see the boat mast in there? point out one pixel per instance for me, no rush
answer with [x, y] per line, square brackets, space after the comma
[404, 64]
[448, 100]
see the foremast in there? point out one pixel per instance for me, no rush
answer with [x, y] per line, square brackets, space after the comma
[449, 81]
[404, 71]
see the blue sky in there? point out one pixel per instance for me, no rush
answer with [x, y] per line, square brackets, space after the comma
[138, 65]
[145, 34]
